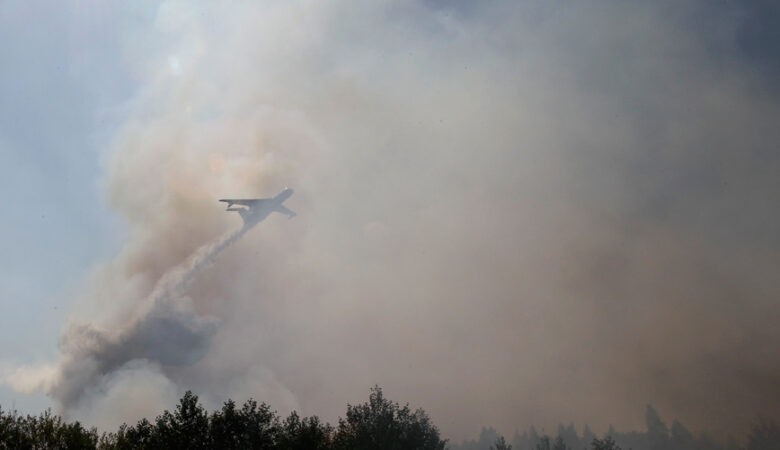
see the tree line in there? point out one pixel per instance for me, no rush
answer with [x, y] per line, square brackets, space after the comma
[378, 424]
[763, 435]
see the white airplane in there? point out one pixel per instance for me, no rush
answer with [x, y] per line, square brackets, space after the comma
[257, 209]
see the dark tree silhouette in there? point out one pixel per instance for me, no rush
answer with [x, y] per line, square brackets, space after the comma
[382, 425]
[252, 426]
[587, 436]
[764, 435]
[680, 438]
[43, 432]
[560, 444]
[261, 424]
[657, 431]
[228, 427]
[378, 424]
[500, 444]
[186, 428]
[304, 434]
[569, 438]
[138, 437]
[604, 444]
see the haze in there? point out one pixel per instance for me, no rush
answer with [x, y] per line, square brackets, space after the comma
[509, 213]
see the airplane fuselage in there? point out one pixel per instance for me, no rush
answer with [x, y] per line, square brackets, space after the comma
[254, 211]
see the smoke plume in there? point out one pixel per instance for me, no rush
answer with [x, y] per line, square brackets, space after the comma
[165, 330]
[509, 214]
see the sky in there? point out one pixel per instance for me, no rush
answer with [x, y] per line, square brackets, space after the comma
[508, 214]
[63, 88]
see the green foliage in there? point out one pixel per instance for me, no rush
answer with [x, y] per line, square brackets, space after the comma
[46, 431]
[304, 434]
[383, 425]
[377, 424]
[254, 426]
[140, 436]
[186, 428]
[260, 424]
[228, 427]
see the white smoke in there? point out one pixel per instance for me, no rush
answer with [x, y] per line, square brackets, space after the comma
[99, 364]
[516, 213]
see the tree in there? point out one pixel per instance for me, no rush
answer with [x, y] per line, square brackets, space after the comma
[126, 437]
[12, 434]
[680, 438]
[764, 435]
[657, 431]
[228, 428]
[185, 428]
[44, 431]
[533, 437]
[487, 437]
[304, 434]
[382, 425]
[604, 444]
[544, 443]
[500, 444]
[261, 425]
[560, 444]
[568, 437]
[75, 436]
[587, 435]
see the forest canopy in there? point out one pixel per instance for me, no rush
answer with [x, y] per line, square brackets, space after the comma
[378, 424]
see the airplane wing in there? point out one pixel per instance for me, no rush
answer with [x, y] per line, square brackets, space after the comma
[249, 202]
[286, 211]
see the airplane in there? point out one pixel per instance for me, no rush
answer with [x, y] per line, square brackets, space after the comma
[257, 209]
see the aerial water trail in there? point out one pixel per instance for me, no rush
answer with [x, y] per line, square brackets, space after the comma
[176, 281]
[165, 330]
[203, 257]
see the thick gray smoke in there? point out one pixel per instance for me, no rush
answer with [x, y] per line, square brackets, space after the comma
[164, 330]
[511, 213]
